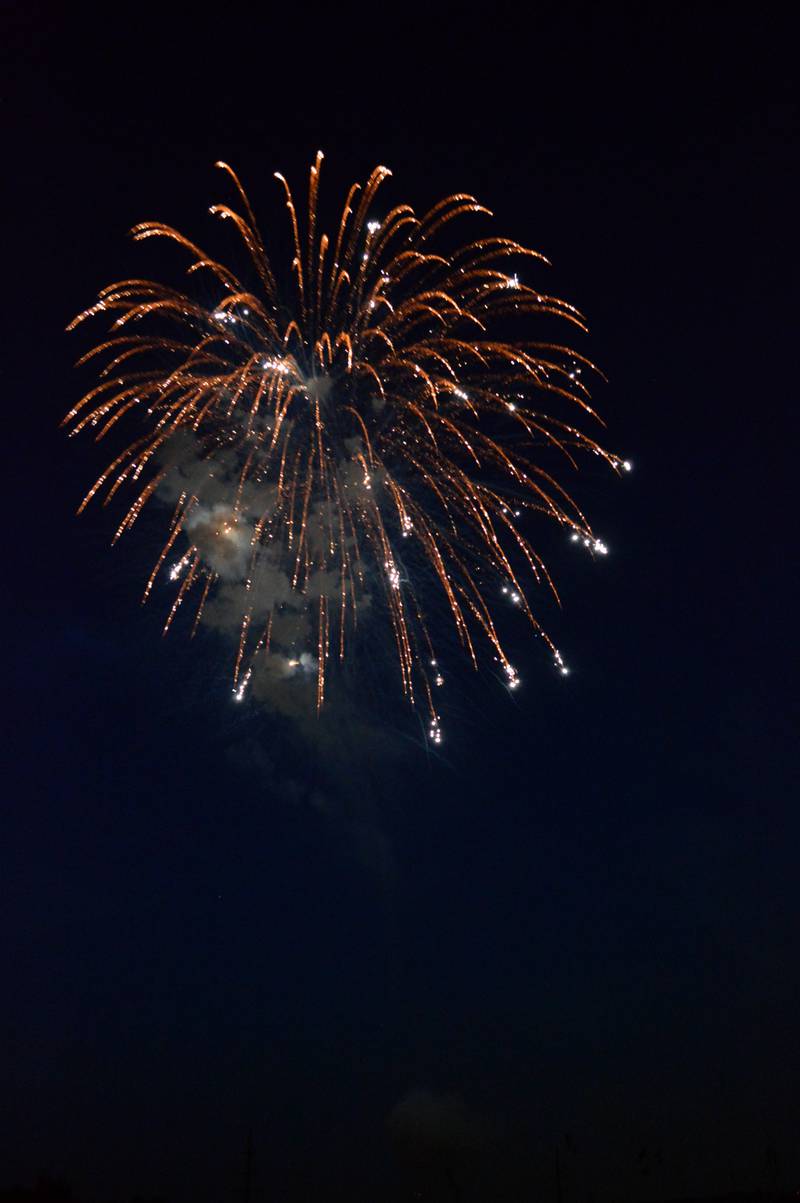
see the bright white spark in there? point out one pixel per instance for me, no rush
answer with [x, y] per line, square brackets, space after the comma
[239, 691]
[393, 574]
[513, 676]
[276, 365]
[178, 567]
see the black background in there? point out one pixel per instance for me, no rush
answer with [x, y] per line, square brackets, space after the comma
[582, 919]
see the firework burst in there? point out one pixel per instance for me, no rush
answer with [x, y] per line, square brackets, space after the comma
[355, 433]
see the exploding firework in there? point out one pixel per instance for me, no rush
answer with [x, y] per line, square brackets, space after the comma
[355, 435]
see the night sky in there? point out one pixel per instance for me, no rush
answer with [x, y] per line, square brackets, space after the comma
[577, 928]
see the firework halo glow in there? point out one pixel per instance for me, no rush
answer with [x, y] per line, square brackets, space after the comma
[348, 441]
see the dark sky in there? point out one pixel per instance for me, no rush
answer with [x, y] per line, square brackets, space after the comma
[583, 918]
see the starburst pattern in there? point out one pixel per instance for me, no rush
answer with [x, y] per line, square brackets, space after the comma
[357, 431]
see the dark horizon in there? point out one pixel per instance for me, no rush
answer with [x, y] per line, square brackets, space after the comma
[432, 1185]
[575, 926]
